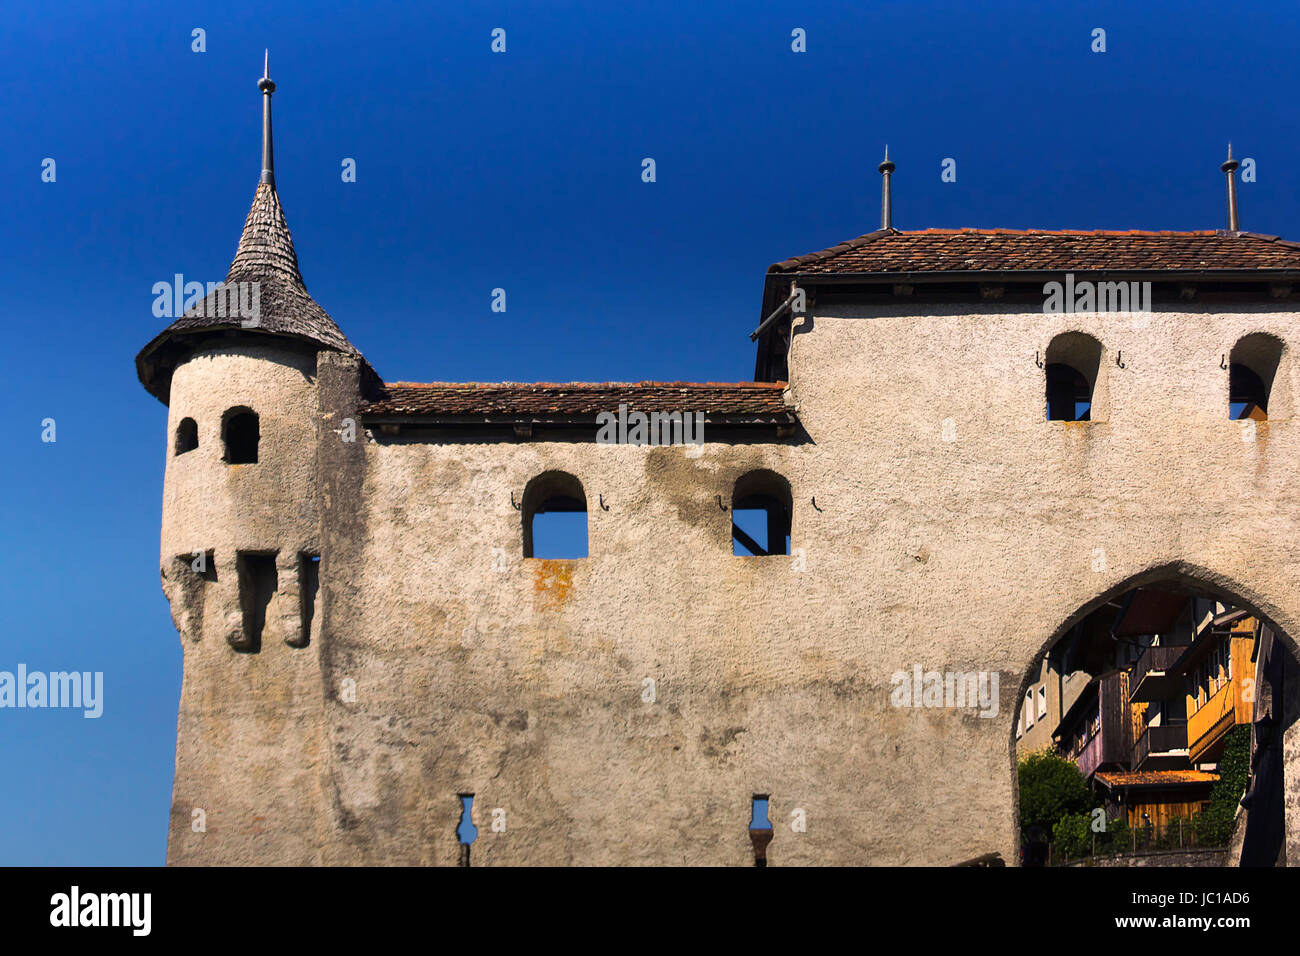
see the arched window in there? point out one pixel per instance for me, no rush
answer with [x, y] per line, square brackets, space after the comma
[761, 506]
[1073, 366]
[555, 517]
[1252, 371]
[187, 436]
[240, 433]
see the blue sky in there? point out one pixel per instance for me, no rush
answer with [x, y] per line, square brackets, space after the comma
[519, 171]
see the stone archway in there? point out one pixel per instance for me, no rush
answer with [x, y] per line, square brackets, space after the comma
[1154, 686]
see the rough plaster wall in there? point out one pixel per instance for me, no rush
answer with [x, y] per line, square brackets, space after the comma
[1018, 513]
[525, 686]
[250, 725]
[1290, 729]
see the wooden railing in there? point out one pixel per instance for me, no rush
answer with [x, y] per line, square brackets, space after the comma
[1153, 659]
[1204, 722]
[1159, 740]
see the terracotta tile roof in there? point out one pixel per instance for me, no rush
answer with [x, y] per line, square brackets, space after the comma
[1156, 778]
[265, 255]
[1033, 250]
[752, 401]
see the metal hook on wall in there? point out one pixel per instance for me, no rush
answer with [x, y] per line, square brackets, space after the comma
[512, 501]
[814, 501]
[603, 506]
[1119, 359]
[720, 504]
[1223, 361]
[1037, 360]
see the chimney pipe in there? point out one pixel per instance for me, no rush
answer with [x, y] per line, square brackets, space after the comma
[1229, 167]
[885, 168]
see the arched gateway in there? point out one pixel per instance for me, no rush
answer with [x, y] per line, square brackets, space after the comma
[1176, 699]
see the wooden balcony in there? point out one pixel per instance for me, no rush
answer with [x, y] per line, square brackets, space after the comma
[1151, 679]
[1089, 758]
[1211, 721]
[1161, 748]
[1103, 705]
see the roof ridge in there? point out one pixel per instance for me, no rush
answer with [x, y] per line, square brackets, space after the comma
[469, 386]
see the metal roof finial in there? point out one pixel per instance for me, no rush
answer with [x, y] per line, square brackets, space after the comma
[267, 86]
[885, 169]
[1229, 167]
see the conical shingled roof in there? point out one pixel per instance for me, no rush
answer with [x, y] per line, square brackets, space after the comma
[266, 256]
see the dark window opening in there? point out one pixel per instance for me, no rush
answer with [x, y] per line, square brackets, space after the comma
[187, 436]
[555, 517]
[1247, 394]
[308, 582]
[760, 828]
[258, 581]
[1073, 370]
[1069, 396]
[761, 507]
[466, 832]
[240, 432]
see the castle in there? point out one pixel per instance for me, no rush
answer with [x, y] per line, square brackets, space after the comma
[372, 652]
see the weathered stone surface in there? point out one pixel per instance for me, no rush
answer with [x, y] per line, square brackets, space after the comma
[524, 686]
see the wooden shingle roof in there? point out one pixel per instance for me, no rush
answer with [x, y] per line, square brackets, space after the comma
[265, 255]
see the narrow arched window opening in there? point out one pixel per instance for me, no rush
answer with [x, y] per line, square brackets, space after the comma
[1252, 371]
[1072, 370]
[240, 433]
[555, 517]
[187, 436]
[761, 507]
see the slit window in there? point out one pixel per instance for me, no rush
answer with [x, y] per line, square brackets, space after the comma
[240, 430]
[308, 582]
[466, 832]
[555, 517]
[760, 828]
[761, 506]
[187, 436]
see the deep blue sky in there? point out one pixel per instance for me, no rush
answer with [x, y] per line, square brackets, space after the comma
[519, 171]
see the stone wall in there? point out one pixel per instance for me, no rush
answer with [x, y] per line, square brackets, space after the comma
[955, 529]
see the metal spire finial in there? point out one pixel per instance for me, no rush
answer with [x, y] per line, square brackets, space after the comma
[267, 86]
[885, 169]
[1229, 167]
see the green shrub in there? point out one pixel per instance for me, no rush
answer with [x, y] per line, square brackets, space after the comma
[1050, 788]
[1118, 837]
[1072, 836]
[1214, 824]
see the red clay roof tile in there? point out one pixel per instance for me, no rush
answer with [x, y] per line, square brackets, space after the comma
[1036, 250]
[541, 400]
